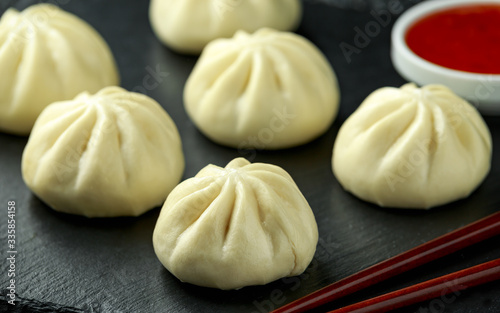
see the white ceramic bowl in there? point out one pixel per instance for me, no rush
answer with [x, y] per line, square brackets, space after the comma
[482, 90]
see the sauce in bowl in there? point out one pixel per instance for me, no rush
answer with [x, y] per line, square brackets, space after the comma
[465, 38]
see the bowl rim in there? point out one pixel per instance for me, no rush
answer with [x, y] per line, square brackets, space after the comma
[421, 10]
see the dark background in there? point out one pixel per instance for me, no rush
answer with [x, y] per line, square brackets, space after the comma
[72, 264]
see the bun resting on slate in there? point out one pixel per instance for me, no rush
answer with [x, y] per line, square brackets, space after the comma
[115, 153]
[267, 90]
[47, 55]
[412, 147]
[227, 228]
[187, 26]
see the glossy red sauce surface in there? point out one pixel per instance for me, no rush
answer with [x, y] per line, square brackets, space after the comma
[466, 38]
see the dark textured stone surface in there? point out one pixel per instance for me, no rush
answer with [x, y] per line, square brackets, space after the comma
[73, 264]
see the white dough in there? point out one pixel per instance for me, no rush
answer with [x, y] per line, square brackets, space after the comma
[47, 55]
[245, 224]
[267, 90]
[115, 153]
[412, 147]
[188, 25]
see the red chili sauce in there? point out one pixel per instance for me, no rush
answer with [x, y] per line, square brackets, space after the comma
[465, 38]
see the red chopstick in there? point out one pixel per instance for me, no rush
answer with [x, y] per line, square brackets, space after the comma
[463, 237]
[434, 288]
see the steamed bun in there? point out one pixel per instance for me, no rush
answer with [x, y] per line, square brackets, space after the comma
[245, 224]
[188, 25]
[47, 55]
[115, 153]
[268, 90]
[412, 148]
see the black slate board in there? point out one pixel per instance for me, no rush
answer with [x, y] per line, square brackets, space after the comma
[72, 264]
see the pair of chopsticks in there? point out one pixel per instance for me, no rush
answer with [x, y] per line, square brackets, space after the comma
[468, 235]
